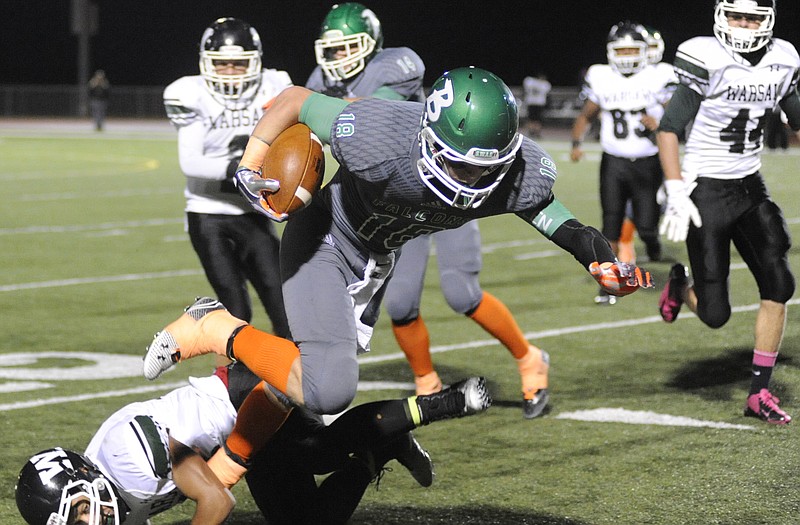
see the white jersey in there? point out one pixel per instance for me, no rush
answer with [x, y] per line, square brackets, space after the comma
[210, 135]
[536, 91]
[726, 137]
[132, 446]
[623, 101]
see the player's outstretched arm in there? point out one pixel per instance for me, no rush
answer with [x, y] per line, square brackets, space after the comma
[196, 481]
[591, 249]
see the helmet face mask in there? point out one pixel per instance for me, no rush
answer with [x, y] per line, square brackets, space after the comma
[627, 48]
[55, 486]
[743, 39]
[231, 42]
[350, 36]
[469, 137]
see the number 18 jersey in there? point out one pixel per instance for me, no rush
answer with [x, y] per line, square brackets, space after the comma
[726, 137]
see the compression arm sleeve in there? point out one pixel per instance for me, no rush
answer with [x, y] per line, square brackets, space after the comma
[319, 112]
[682, 108]
[791, 106]
[585, 243]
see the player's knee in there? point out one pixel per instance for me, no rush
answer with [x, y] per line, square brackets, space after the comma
[461, 291]
[401, 312]
[714, 316]
[333, 389]
[780, 287]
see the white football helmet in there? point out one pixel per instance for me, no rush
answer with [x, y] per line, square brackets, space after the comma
[655, 45]
[742, 39]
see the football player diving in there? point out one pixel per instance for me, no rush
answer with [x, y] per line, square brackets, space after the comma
[405, 169]
[729, 84]
[351, 64]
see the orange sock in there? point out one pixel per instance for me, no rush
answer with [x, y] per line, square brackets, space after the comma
[259, 417]
[626, 252]
[495, 318]
[268, 356]
[415, 342]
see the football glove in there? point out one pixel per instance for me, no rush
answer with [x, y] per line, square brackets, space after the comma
[680, 210]
[254, 188]
[618, 278]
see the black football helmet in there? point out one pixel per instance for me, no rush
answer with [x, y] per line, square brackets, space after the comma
[54, 481]
[742, 39]
[231, 40]
[627, 36]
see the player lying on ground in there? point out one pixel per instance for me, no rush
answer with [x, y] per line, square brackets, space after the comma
[150, 456]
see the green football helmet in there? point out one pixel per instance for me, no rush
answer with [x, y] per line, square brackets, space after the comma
[350, 36]
[469, 136]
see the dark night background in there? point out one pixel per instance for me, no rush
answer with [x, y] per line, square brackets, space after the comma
[152, 42]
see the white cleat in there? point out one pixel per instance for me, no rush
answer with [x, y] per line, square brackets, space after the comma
[165, 351]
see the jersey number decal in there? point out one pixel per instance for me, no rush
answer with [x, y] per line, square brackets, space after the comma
[736, 132]
[621, 123]
[375, 225]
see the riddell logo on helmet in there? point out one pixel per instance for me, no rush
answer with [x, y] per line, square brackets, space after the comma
[483, 153]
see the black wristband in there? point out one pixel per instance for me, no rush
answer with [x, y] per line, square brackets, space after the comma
[576, 143]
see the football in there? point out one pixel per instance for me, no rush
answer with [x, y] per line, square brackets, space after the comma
[297, 161]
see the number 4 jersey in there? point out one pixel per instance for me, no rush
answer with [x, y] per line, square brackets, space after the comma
[727, 134]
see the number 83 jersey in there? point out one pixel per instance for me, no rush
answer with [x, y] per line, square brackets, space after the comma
[623, 101]
[727, 134]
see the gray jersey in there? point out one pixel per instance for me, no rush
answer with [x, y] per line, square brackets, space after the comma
[377, 197]
[398, 68]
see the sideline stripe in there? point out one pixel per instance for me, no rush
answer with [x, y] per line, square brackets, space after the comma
[84, 397]
[93, 280]
[558, 332]
[640, 417]
[89, 227]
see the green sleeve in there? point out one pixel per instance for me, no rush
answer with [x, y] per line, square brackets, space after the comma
[387, 93]
[791, 106]
[682, 108]
[551, 217]
[319, 112]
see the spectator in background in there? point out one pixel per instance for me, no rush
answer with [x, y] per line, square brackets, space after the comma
[214, 113]
[99, 89]
[536, 89]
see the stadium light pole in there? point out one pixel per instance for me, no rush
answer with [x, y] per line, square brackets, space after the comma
[83, 22]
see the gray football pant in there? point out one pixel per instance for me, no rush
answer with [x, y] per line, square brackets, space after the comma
[458, 256]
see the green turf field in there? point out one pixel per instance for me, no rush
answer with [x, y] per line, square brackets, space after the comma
[95, 260]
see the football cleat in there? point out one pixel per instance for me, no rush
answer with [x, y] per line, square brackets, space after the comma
[430, 383]
[181, 339]
[603, 298]
[461, 399]
[409, 453]
[764, 406]
[671, 300]
[532, 406]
